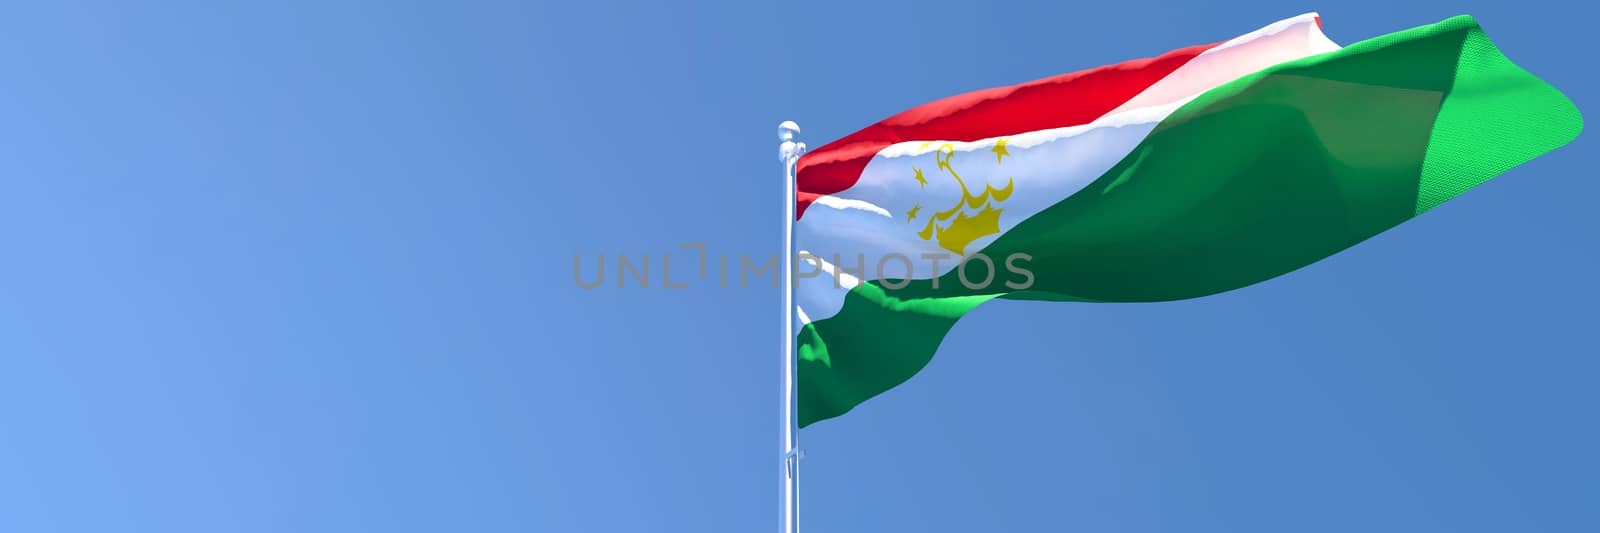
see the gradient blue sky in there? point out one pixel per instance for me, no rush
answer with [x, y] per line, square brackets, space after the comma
[307, 266]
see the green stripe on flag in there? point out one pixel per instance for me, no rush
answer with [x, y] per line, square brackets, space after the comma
[1527, 118]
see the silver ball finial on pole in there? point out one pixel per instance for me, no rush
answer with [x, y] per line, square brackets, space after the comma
[790, 148]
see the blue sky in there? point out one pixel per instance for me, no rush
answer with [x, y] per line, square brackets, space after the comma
[306, 266]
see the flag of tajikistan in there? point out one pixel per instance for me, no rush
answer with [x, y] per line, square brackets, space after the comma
[1198, 171]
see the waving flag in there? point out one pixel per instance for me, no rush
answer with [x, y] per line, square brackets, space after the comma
[1198, 171]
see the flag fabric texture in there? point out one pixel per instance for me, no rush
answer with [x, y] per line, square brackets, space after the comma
[1198, 171]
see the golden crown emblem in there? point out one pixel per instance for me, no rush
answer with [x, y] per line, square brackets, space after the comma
[953, 229]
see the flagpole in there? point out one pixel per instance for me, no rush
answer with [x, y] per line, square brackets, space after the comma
[789, 153]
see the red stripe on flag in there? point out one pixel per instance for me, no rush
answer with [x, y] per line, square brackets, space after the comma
[1054, 102]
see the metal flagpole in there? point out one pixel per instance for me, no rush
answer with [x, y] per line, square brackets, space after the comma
[789, 152]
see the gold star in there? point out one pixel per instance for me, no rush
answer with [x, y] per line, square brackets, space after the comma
[912, 214]
[920, 180]
[999, 150]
